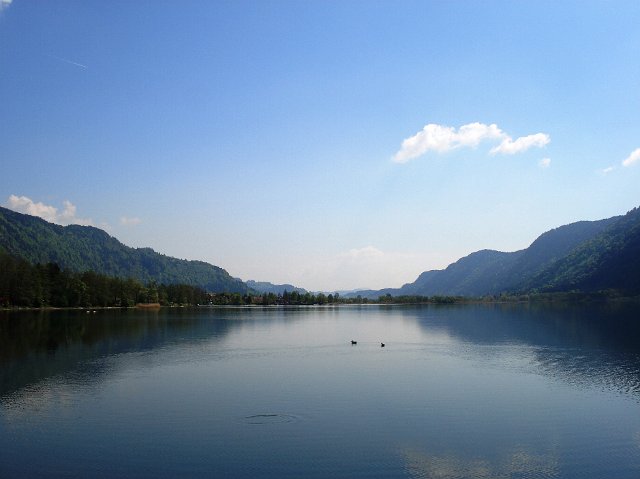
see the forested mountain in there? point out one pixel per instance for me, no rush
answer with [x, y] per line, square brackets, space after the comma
[85, 248]
[266, 287]
[584, 256]
[474, 275]
[490, 272]
[610, 260]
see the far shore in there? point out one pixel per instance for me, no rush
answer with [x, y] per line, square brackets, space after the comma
[459, 301]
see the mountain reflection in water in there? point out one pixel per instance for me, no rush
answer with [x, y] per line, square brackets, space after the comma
[513, 390]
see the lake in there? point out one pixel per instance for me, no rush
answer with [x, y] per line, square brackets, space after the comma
[469, 391]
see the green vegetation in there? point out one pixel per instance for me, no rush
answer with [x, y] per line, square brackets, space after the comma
[583, 258]
[417, 299]
[490, 272]
[85, 248]
[47, 285]
[265, 287]
[42, 264]
[25, 285]
[294, 298]
[608, 261]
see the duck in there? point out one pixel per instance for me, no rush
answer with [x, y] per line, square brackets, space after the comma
[382, 345]
[354, 342]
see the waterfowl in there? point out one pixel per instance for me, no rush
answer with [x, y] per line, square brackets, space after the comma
[354, 342]
[382, 345]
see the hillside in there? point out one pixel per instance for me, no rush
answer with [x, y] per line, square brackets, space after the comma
[610, 260]
[84, 248]
[477, 274]
[584, 256]
[266, 287]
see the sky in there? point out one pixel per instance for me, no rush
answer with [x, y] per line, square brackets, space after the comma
[334, 145]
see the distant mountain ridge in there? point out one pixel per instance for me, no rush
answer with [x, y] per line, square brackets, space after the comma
[83, 248]
[584, 256]
[263, 287]
[609, 260]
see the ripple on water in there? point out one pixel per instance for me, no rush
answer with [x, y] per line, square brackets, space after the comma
[270, 418]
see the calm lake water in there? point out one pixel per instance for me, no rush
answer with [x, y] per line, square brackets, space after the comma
[484, 391]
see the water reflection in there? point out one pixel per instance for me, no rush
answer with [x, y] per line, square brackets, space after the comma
[35, 346]
[580, 344]
[515, 463]
[458, 391]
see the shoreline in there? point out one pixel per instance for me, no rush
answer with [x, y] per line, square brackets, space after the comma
[461, 301]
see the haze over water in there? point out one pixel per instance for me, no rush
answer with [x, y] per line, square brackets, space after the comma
[458, 391]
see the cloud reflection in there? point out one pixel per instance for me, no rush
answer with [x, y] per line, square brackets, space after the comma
[516, 463]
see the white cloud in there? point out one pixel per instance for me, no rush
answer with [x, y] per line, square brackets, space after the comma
[510, 147]
[634, 157]
[367, 268]
[472, 134]
[4, 4]
[608, 169]
[366, 253]
[126, 221]
[440, 138]
[23, 204]
[544, 163]
[69, 212]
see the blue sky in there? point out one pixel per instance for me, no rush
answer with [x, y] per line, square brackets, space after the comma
[333, 145]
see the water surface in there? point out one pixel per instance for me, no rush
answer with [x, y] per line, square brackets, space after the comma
[458, 391]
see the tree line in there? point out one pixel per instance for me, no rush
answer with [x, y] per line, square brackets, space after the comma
[23, 284]
[295, 298]
[286, 298]
[85, 248]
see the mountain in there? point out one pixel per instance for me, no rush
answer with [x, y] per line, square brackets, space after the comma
[265, 287]
[474, 275]
[83, 248]
[609, 260]
[584, 256]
